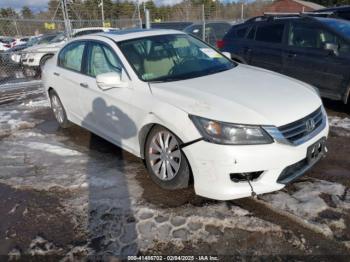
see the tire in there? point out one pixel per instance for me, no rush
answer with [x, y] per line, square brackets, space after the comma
[29, 72]
[58, 110]
[166, 163]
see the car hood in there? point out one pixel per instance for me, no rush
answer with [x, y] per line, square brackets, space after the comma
[243, 95]
[45, 47]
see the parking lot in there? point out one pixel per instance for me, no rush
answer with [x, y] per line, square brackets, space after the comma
[68, 193]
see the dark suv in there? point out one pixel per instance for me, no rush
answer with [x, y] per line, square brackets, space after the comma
[342, 12]
[315, 50]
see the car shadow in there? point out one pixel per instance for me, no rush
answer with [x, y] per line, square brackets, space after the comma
[111, 222]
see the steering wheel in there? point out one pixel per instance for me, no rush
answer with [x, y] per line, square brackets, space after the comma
[179, 65]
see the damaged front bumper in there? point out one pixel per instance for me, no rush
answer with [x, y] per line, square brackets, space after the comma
[269, 167]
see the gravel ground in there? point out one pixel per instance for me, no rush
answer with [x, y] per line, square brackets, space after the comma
[68, 194]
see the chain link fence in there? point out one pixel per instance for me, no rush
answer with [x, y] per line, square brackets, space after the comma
[20, 58]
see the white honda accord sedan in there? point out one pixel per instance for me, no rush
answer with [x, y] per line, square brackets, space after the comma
[191, 113]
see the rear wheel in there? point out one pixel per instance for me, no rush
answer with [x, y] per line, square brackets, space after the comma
[58, 110]
[166, 163]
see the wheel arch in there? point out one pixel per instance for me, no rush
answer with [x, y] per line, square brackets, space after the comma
[45, 58]
[143, 136]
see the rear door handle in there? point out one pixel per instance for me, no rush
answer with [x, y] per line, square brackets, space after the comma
[56, 74]
[84, 85]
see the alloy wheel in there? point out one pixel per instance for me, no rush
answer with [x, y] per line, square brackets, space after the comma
[57, 108]
[164, 155]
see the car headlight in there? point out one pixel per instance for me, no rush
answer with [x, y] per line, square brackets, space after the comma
[230, 134]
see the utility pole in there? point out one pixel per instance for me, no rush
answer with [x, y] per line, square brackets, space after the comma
[203, 21]
[139, 13]
[66, 17]
[147, 18]
[102, 13]
[242, 11]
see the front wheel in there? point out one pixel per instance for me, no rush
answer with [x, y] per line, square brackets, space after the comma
[58, 110]
[165, 162]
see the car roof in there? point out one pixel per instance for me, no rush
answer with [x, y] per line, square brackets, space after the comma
[336, 8]
[280, 17]
[127, 34]
[214, 22]
[77, 30]
[176, 25]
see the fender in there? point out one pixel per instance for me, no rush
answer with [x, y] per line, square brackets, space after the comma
[170, 117]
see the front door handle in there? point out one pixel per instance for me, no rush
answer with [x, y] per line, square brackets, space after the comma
[56, 74]
[84, 85]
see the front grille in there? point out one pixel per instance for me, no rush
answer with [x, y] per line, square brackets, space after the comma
[301, 128]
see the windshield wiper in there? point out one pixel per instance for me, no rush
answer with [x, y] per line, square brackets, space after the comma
[167, 79]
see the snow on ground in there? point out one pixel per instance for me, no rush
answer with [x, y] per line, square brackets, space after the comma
[11, 120]
[47, 162]
[311, 200]
[14, 118]
[36, 104]
[109, 198]
[17, 85]
[339, 122]
[340, 126]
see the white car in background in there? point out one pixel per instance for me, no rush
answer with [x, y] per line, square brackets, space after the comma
[6, 43]
[190, 112]
[20, 41]
[33, 58]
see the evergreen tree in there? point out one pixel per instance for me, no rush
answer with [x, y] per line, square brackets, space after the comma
[26, 12]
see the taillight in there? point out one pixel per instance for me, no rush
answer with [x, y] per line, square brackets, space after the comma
[220, 44]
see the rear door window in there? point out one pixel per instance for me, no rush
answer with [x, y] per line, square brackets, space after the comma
[270, 33]
[71, 56]
[241, 32]
[309, 36]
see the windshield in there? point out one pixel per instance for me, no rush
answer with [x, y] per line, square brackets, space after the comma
[172, 57]
[32, 41]
[46, 39]
[341, 26]
[58, 38]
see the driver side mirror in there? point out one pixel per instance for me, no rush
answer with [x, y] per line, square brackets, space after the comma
[333, 48]
[110, 80]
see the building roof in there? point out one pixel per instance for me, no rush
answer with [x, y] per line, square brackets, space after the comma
[309, 4]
